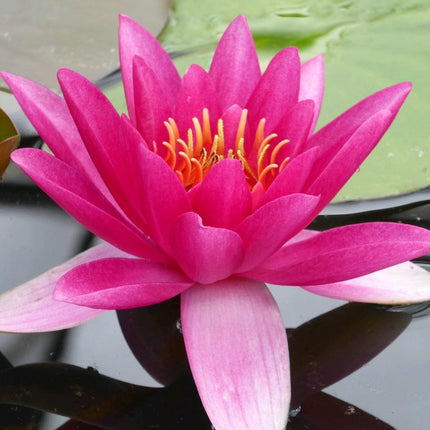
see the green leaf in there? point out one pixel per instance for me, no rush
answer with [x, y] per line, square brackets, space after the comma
[9, 140]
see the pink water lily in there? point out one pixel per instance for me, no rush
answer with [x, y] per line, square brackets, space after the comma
[205, 190]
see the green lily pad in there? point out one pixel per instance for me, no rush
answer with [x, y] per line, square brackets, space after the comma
[9, 140]
[368, 45]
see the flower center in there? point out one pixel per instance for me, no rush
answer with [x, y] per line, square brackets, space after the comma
[191, 159]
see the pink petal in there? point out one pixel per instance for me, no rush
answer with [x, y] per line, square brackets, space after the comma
[196, 93]
[344, 253]
[400, 284]
[268, 228]
[151, 103]
[294, 176]
[239, 359]
[235, 69]
[278, 89]
[163, 197]
[51, 118]
[231, 119]
[120, 283]
[312, 85]
[223, 198]
[335, 172]
[31, 308]
[77, 196]
[111, 141]
[205, 254]
[295, 126]
[135, 40]
[334, 134]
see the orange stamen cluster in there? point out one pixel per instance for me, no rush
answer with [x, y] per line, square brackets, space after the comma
[191, 159]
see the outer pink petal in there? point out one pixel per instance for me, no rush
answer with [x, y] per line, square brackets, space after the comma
[223, 199]
[111, 141]
[239, 359]
[205, 254]
[268, 228]
[347, 160]
[278, 89]
[196, 93]
[235, 69]
[51, 118]
[312, 85]
[344, 253]
[135, 40]
[151, 103]
[77, 196]
[333, 135]
[31, 308]
[120, 283]
[400, 284]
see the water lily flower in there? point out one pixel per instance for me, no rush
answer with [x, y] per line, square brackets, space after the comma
[205, 190]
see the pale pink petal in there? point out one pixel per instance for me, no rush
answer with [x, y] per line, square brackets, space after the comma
[344, 253]
[135, 40]
[239, 359]
[77, 196]
[278, 89]
[151, 103]
[235, 69]
[120, 283]
[51, 118]
[111, 141]
[205, 254]
[334, 173]
[333, 135]
[312, 85]
[220, 202]
[401, 284]
[196, 93]
[269, 227]
[31, 307]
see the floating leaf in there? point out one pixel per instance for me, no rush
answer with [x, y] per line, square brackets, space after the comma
[9, 140]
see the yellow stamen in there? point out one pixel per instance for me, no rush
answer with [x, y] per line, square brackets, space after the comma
[191, 159]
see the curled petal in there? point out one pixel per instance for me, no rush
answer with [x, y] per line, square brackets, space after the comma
[400, 284]
[205, 254]
[31, 307]
[239, 360]
[235, 69]
[120, 283]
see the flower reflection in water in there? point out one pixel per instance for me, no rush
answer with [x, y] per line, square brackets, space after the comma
[323, 351]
